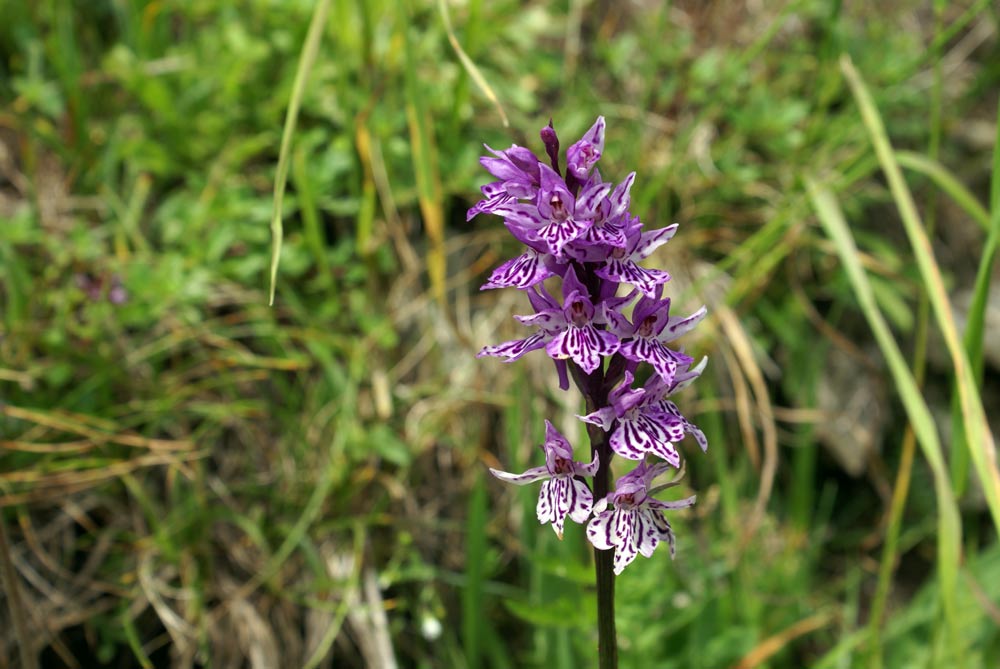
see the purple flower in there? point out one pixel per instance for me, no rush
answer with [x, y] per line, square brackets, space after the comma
[563, 494]
[517, 171]
[521, 272]
[622, 264]
[566, 332]
[512, 350]
[652, 329]
[643, 424]
[557, 217]
[576, 336]
[630, 521]
[582, 156]
[608, 229]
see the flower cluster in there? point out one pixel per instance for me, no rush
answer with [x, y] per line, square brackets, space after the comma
[612, 318]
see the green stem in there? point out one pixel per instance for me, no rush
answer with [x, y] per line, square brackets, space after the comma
[595, 388]
[607, 640]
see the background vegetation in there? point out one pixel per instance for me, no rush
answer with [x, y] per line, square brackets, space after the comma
[191, 478]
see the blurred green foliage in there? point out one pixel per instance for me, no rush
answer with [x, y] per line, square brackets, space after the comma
[201, 479]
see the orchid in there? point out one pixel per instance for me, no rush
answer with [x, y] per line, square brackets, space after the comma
[652, 329]
[563, 494]
[577, 230]
[630, 521]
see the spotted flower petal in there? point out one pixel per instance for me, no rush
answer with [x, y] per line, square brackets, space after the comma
[630, 521]
[522, 272]
[623, 264]
[563, 493]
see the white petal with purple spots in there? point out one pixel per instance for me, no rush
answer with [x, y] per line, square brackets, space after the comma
[522, 272]
[625, 270]
[512, 350]
[530, 476]
[584, 345]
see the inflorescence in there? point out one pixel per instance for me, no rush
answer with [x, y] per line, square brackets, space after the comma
[578, 227]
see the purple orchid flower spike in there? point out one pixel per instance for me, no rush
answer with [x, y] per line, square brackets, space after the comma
[582, 156]
[622, 264]
[578, 338]
[563, 494]
[653, 329]
[630, 521]
[643, 425]
[578, 230]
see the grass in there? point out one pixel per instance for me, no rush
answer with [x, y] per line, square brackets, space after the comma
[189, 477]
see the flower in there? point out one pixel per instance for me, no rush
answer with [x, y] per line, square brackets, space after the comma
[577, 228]
[630, 521]
[563, 494]
[608, 229]
[652, 329]
[582, 155]
[643, 425]
[512, 350]
[558, 217]
[622, 264]
[567, 332]
[578, 338]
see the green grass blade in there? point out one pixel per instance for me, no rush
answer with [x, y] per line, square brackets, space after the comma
[976, 325]
[469, 66]
[947, 183]
[134, 642]
[473, 614]
[306, 60]
[981, 444]
[977, 310]
[949, 522]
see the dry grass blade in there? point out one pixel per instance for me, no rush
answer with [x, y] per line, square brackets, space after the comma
[767, 648]
[980, 440]
[77, 424]
[12, 588]
[743, 349]
[50, 486]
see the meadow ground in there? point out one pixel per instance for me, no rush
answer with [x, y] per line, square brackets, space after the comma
[189, 477]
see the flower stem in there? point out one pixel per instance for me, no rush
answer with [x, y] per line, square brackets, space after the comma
[607, 641]
[594, 388]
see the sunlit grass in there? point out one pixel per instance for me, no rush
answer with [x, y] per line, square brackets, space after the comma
[190, 472]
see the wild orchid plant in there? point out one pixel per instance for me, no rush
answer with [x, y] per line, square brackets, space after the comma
[578, 227]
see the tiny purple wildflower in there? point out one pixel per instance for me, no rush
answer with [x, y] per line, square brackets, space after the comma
[563, 494]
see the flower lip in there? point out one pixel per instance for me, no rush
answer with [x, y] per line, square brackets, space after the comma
[578, 314]
[562, 467]
[645, 328]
